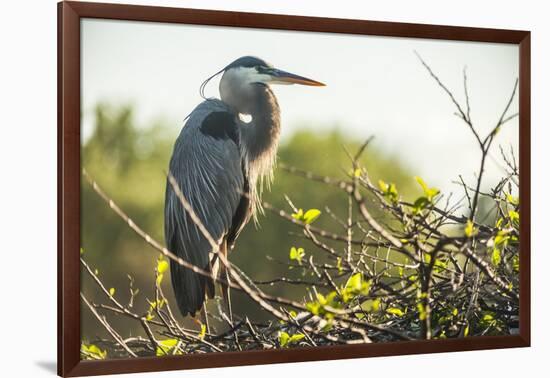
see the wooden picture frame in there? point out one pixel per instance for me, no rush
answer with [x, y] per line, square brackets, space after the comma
[69, 182]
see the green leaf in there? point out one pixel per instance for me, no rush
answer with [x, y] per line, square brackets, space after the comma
[420, 204]
[355, 285]
[152, 306]
[389, 191]
[515, 263]
[295, 338]
[308, 217]
[395, 311]
[167, 346]
[283, 338]
[94, 349]
[159, 303]
[383, 186]
[93, 352]
[314, 307]
[162, 266]
[440, 265]
[514, 216]
[496, 257]
[297, 254]
[112, 291]
[371, 305]
[354, 282]
[430, 193]
[298, 215]
[421, 183]
[318, 307]
[202, 332]
[339, 265]
[470, 230]
[512, 200]
[321, 299]
[501, 240]
[311, 215]
[376, 305]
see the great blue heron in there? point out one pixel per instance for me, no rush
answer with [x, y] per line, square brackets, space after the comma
[220, 164]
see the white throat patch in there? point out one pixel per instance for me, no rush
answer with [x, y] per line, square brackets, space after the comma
[246, 118]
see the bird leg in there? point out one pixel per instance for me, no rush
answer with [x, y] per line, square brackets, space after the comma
[204, 317]
[226, 289]
[227, 298]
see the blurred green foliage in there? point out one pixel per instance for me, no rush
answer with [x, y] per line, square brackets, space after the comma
[130, 164]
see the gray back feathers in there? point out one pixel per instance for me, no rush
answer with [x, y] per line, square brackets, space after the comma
[217, 162]
[209, 173]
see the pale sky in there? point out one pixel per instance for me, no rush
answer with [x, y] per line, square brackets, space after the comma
[375, 85]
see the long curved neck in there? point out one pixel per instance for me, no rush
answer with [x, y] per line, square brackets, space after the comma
[261, 136]
[259, 142]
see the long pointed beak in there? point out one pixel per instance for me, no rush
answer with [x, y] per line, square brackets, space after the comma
[283, 77]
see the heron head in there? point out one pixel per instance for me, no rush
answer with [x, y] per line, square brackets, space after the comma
[242, 76]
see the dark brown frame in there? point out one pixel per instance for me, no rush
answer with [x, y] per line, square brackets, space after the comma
[69, 173]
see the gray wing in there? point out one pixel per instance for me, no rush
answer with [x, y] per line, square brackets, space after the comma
[206, 163]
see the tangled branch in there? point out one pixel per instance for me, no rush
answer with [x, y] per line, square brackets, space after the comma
[419, 272]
